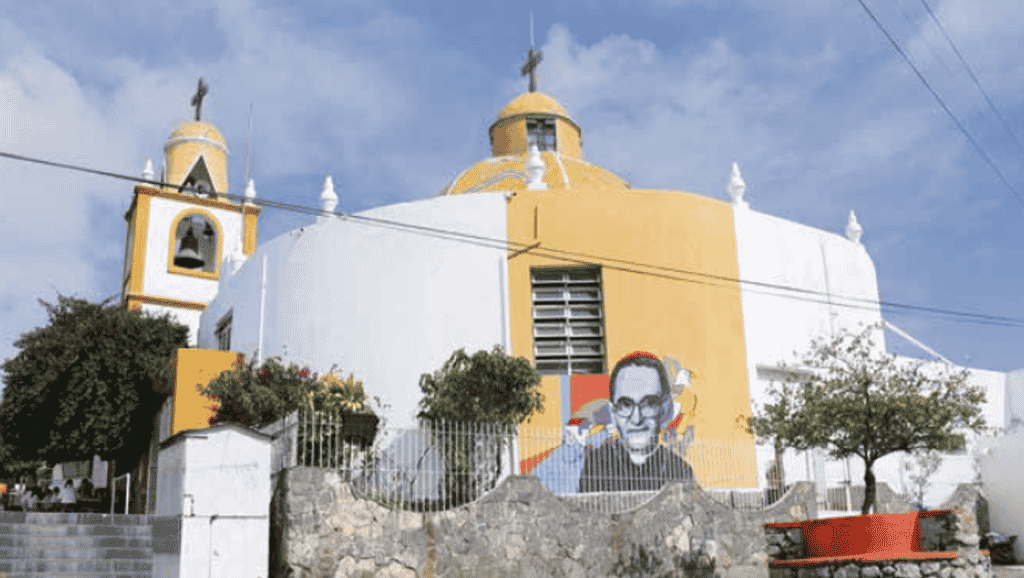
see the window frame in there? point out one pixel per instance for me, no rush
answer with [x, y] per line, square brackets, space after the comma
[567, 316]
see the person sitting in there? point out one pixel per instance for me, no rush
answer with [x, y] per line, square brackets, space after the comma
[85, 489]
[50, 500]
[67, 497]
[29, 499]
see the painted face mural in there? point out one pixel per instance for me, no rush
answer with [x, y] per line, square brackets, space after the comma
[628, 431]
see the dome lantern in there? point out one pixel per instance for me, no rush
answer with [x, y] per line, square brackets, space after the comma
[535, 117]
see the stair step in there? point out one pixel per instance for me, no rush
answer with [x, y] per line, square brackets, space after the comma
[56, 566]
[73, 542]
[61, 553]
[81, 575]
[73, 518]
[74, 530]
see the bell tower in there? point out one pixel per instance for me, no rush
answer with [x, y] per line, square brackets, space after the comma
[180, 232]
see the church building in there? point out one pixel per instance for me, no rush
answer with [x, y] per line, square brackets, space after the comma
[533, 248]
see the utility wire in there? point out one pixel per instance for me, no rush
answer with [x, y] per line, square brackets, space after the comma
[960, 125]
[974, 78]
[625, 265]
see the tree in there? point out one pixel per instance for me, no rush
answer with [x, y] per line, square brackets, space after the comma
[488, 387]
[326, 434]
[259, 396]
[474, 402]
[924, 465]
[856, 401]
[86, 383]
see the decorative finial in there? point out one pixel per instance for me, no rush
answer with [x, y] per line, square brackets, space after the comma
[535, 170]
[250, 191]
[328, 199]
[737, 188]
[197, 99]
[853, 229]
[147, 172]
[533, 58]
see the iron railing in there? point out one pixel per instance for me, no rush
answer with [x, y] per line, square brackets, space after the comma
[439, 465]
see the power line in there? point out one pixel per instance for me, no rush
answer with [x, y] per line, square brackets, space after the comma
[959, 125]
[974, 78]
[625, 265]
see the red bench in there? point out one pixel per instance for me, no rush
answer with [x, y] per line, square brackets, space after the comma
[870, 538]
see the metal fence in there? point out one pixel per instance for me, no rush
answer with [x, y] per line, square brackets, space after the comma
[440, 465]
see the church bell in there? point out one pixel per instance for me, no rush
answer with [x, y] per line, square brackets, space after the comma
[188, 254]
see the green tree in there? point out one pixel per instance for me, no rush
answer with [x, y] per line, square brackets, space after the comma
[259, 396]
[474, 403]
[86, 384]
[326, 433]
[850, 398]
[488, 387]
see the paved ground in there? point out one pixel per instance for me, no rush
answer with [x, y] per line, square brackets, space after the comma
[1007, 571]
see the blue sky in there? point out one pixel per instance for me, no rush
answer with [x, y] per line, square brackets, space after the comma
[394, 100]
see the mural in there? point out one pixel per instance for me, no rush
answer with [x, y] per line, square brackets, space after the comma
[626, 431]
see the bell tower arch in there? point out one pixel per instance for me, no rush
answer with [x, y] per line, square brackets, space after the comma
[180, 232]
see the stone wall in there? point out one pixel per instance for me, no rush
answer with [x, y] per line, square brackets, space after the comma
[973, 566]
[518, 529]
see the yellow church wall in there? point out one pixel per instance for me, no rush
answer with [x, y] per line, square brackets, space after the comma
[194, 367]
[252, 216]
[699, 323]
[139, 214]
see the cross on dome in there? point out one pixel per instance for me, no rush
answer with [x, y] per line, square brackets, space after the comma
[532, 60]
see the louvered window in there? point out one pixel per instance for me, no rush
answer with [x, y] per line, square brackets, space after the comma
[568, 320]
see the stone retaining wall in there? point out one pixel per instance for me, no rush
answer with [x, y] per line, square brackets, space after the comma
[518, 529]
[972, 565]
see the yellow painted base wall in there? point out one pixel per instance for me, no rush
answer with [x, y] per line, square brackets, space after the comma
[194, 368]
[695, 319]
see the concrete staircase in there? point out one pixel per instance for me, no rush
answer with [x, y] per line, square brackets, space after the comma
[33, 545]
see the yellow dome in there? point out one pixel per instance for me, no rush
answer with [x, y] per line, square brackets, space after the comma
[508, 173]
[197, 130]
[534, 103]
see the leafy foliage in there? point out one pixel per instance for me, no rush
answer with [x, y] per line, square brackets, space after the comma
[851, 398]
[259, 396]
[84, 384]
[925, 464]
[489, 387]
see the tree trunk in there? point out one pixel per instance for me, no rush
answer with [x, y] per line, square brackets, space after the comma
[869, 489]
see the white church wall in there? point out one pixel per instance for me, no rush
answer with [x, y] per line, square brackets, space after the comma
[189, 317]
[1000, 474]
[777, 323]
[381, 303]
[1014, 399]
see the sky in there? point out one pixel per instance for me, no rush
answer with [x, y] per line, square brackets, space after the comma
[393, 98]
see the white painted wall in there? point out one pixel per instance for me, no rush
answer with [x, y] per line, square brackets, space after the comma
[218, 481]
[189, 317]
[383, 304]
[158, 280]
[777, 323]
[1000, 474]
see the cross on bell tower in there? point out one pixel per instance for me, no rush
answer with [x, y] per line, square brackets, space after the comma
[197, 99]
[533, 58]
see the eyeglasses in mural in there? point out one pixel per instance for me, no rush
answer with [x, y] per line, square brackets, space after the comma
[629, 430]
